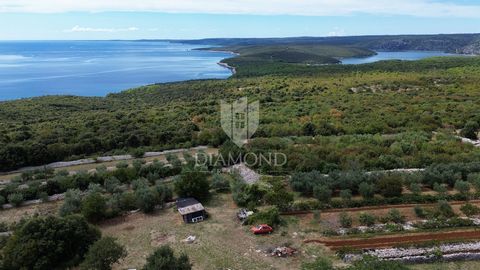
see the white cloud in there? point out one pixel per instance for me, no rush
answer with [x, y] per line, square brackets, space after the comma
[78, 28]
[422, 8]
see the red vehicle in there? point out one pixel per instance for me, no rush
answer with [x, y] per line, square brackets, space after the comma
[261, 229]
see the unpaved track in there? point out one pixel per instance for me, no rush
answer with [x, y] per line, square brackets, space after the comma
[395, 240]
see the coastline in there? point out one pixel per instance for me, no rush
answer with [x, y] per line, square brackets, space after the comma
[225, 65]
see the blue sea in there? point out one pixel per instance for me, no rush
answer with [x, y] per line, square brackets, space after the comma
[96, 68]
[403, 55]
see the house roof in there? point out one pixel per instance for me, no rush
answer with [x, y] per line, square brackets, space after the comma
[188, 205]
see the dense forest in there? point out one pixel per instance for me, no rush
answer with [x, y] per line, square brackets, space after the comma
[336, 105]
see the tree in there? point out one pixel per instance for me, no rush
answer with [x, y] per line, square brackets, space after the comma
[112, 185]
[280, 198]
[146, 199]
[72, 204]
[470, 130]
[193, 183]
[390, 186]
[346, 194]
[103, 254]
[440, 189]
[366, 219]
[164, 259]
[94, 207]
[45, 243]
[462, 186]
[415, 188]
[322, 193]
[366, 190]
[345, 220]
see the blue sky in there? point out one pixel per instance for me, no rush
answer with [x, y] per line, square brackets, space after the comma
[184, 19]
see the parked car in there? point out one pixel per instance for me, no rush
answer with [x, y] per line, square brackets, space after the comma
[244, 214]
[261, 229]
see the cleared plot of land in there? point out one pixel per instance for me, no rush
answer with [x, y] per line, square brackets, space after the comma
[221, 242]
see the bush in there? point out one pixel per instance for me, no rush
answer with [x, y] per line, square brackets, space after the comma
[72, 204]
[318, 264]
[43, 196]
[164, 259]
[366, 219]
[470, 209]
[193, 183]
[419, 212]
[444, 209]
[2, 201]
[390, 186]
[346, 194]
[370, 263]
[322, 193]
[94, 207]
[395, 216]
[103, 254]
[220, 183]
[16, 199]
[146, 199]
[366, 190]
[462, 186]
[45, 243]
[345, 220]
[415, 188]
[112, 185]
[270, 217]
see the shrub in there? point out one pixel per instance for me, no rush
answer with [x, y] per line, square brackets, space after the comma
[220, 183]
[470, 209]
[72, 204]
[94, 207]
[444, 209]
[366, 219]
[419, 212]
[345, 220]
[322, 193]
[2, 201]
[128, 201]
[45, 243]
[395, 216]
[318, 264]
[146, 199]
[369, 263]
[415, 188]
[164, 259]
[270, 217]
[43, 196]
[103, 254]
[366, 190]
[390, 186]
[462, 186]
[346, 194]
[112, 185]
[16, 199]
[193, 183]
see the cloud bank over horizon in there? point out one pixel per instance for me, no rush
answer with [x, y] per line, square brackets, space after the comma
[417, 8]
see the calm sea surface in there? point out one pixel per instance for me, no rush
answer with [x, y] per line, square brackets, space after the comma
[404, 55]
[96, 68]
